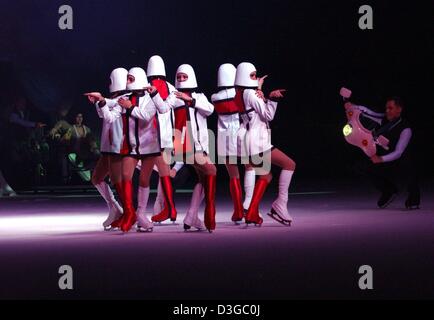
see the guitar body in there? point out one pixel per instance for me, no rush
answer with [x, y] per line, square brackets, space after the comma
[357, 135]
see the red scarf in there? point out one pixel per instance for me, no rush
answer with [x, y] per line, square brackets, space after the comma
[181, 117]
[228, 106]
[161, 86]
[239, 100]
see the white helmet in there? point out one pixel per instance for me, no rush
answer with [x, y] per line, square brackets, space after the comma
[140, 80]
[191, 82]
[118, 80]
[156, 67]
[242, 77]
[226, 75]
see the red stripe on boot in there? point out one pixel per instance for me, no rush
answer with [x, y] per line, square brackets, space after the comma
[210, 187]
[252, 215]
[237, 199]
[129, 212]
[169, 210]
[118, 187]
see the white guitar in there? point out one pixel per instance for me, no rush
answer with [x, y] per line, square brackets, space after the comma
[356, 134]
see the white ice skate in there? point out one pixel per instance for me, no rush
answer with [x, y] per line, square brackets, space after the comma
[281, 216]
[190, 221]
[115, 212]
[279, 208]
[143, 223]
[191, 218]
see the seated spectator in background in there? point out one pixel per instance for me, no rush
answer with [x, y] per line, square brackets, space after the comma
[28, 149]
[59, 144]
[61, 125]
[83, 149]
[19, 118]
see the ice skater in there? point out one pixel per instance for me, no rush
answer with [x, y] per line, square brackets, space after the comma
[140, 141]
[191, 136]
[257, 112]
[110, 161]
[228, 144]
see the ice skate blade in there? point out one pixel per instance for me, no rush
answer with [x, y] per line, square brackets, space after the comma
[384, 206]
[255, 223]
[275, 216]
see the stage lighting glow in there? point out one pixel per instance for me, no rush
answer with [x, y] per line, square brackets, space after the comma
[347, 130]
[33, 225]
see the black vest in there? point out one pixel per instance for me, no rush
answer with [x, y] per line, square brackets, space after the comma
[392, 131]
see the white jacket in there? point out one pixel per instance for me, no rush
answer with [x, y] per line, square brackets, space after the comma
[228, 122]
[166, 122]
[255, 122]
[142, 127]
[111, 133]
[197, 114]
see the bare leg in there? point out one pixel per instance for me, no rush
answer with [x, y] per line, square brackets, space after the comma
[146, 171]
[128, 166]
[204, 165]
[162, 166]
[233, 170]
[281, 160]
[101, 170]
[115, 168]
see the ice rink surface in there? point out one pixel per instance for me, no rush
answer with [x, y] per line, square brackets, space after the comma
[333, 234]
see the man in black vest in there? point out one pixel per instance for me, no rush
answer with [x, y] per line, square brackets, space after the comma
[396, 163]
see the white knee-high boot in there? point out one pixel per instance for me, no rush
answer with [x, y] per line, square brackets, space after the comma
[159, 200]
[249, 186]
[192, 217]
[115, 210]
[279, 206]
[143, 222]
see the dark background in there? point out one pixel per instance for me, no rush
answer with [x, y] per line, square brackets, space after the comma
[311, 48]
